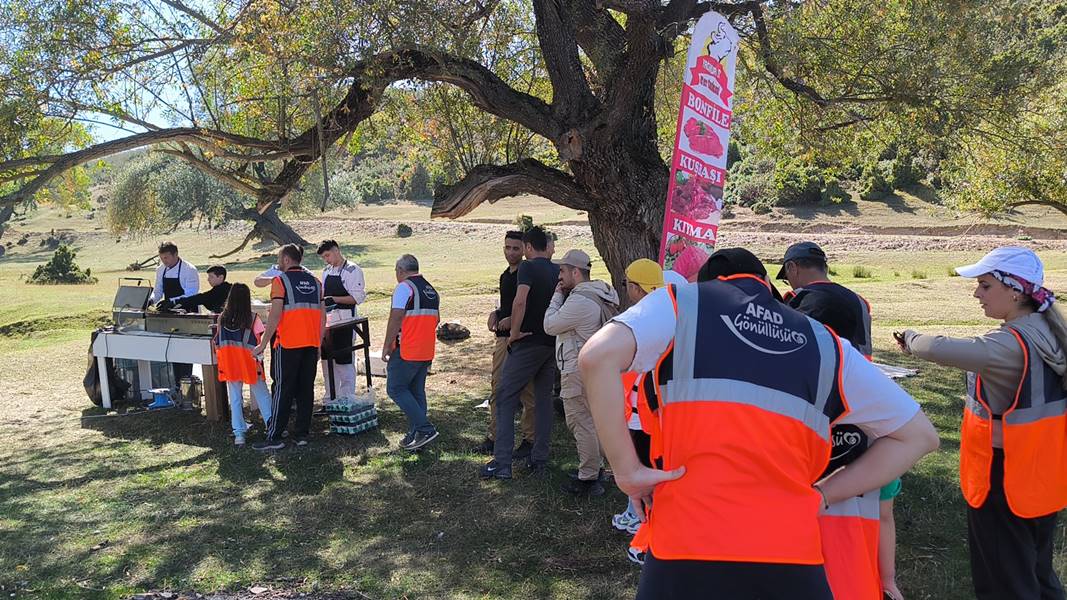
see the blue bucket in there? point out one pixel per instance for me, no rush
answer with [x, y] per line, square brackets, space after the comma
[161, 399]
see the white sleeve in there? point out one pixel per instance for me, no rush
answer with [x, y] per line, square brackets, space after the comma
[270, 273]
[652, 322]
[190, 280]
[875, 401]
[354, 283]
[157, 291]
[401, 295]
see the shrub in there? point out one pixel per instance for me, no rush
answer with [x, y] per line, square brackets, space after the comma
[403, 230]
[61, 269]
[797, 183]
[761, 208]
[524, 222]
[904, 170]
[861, 272]
[833, 193]
[952, 272]
[874, 185]
[917, 274]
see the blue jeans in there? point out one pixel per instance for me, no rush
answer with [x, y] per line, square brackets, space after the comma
[406, 385]
[258, 391]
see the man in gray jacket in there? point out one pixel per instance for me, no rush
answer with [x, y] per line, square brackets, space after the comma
[577, 310]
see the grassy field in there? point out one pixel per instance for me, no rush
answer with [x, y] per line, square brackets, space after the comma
[102, 506]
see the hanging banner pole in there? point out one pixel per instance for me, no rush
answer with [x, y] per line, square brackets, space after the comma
[698, 165]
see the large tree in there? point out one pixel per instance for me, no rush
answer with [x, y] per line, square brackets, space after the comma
[264, 87]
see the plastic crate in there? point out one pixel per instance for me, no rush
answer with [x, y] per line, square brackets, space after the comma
[354, 429]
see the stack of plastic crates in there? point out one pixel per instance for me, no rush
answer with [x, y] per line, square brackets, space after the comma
[352, 416]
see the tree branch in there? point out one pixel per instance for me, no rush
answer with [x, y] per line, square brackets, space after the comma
[489, 183]
[1035, 202]
[600, 35]
[677, 13]
[630, 7]
[571, 95]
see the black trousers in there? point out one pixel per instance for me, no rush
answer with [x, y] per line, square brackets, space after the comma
[708, 580]
[1011, 557]
[293, 371]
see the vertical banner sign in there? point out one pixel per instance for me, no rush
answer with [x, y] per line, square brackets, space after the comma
[698, 166]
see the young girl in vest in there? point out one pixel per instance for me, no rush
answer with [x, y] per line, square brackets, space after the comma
[1013, 448]
[239, 331]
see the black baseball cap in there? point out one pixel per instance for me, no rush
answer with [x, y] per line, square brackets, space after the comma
[734, 261]
[808, 250]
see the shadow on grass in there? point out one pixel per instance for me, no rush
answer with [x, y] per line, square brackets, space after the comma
[180, 506]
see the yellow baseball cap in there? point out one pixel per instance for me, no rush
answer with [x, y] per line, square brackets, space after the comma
[647, 274]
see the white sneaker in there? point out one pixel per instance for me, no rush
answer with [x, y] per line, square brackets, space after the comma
[635, 556]
[239, 440]
[626, 522]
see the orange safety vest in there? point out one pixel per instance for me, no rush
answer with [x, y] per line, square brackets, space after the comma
[850, 528]
[418, 330]
[748, 391]
[1035, 440]
[234, 355]
[301, 323]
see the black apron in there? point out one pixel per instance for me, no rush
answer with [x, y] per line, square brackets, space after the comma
[339, 338]
[172, 286]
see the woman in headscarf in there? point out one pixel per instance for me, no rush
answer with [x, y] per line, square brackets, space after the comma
[1013, 440]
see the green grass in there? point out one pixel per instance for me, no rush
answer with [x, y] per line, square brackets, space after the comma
[180, 508]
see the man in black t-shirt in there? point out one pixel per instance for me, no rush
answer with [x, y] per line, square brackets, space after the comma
[530, 357]
[845, 311]
[500, 324]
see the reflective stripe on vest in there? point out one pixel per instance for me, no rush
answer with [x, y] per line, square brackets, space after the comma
[752, 390]
[418, 330]
[234, 356]
[301, 323]
[1035, 440]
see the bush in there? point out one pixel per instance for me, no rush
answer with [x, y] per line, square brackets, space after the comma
[917, 274]
[750, 182]
[874, 184]
[61, 269]
[833, 193]
[861, 272]
[403, 230]
[761, 208]
[905, 172]
[797, 183]
[524, 222]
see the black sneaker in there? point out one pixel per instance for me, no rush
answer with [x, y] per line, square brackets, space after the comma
[266, 445]
[579, 487]
[493, 470]
[407, 439]
[486, 447]
[523, 451]
[421, 439]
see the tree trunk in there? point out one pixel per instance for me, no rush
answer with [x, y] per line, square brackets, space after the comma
[5, 215]
[271, 227]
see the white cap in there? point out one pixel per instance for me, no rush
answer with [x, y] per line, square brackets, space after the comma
[1014, 260]
[674, 277]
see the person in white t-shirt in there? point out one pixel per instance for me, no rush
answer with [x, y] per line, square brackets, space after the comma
[766, 561]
